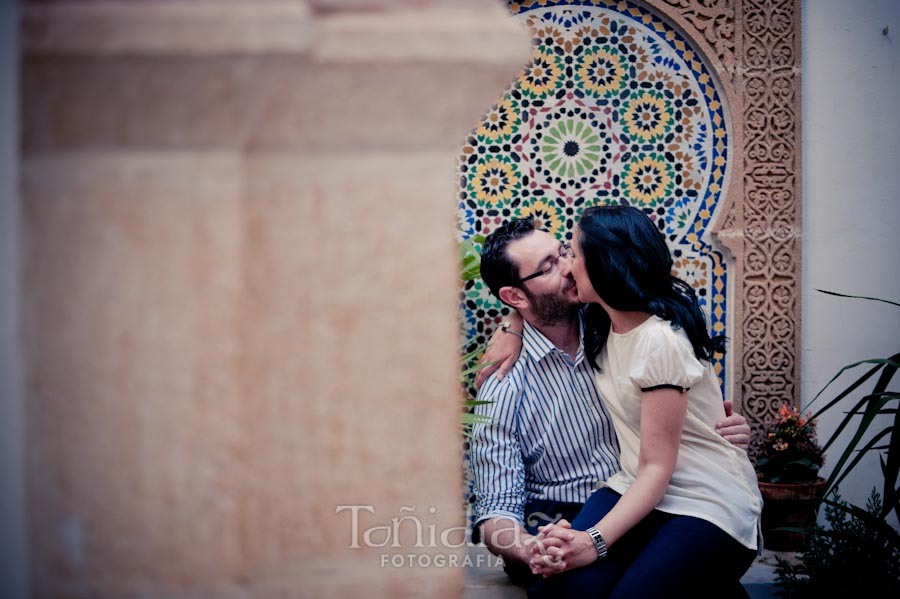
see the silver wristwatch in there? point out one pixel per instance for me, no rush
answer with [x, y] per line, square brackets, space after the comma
[599, 543]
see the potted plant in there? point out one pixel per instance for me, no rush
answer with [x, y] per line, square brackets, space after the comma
[788, 471]
[858, 553]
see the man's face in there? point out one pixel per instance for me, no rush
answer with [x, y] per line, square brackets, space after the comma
[552, 296]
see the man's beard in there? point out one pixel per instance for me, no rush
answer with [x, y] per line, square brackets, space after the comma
[551, 309]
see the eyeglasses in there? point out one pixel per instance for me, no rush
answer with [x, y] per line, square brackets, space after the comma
[549, 265]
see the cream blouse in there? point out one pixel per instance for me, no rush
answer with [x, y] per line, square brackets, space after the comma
[713, 480]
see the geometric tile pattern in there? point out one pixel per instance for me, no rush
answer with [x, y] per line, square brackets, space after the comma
[614, 107]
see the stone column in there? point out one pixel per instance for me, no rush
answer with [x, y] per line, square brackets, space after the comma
[240, 293]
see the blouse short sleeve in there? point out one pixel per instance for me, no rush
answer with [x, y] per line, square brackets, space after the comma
[665, 359]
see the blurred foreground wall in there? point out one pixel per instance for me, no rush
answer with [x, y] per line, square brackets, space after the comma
[12, 467]
[238, 304]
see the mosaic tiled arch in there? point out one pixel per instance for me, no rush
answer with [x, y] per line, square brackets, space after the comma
[687, 109]
[614, 107]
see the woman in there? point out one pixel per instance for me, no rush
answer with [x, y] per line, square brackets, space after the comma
[681, 517]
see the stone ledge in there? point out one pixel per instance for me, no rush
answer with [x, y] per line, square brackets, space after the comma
[463, 33]
[489, 581]
[168, 27]
[487, 35]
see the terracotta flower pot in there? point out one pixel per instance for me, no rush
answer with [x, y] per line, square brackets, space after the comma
[788, 505]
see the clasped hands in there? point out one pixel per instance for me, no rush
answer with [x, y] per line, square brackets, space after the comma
[557, 548]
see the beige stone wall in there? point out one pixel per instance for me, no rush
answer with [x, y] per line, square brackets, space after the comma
[239, 290]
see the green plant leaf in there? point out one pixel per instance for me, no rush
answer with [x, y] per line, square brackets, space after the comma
[892, 500]
[874, 299]
[475, 403]
[873, 407]
[891, 469]
[470, 258]
[834, 479]
[467, 357]
[470, 270]
[858, 555]
[868, 408]
[890, 476]
[880, 363]
[472, 418]
[890, 367]
[848, 417]
[855, 411]
[478, 367]
[876, 523]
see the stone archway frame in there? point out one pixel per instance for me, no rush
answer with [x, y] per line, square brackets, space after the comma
[754, 47]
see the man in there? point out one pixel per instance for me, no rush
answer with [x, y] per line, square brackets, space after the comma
[550, 440]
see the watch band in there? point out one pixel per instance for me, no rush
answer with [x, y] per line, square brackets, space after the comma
[599, 543]
[505, 328]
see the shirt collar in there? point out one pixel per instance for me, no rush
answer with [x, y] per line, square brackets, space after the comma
[538, 346]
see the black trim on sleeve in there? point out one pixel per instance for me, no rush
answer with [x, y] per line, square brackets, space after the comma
[676, 387]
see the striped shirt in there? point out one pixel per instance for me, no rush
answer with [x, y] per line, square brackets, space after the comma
[551, 437]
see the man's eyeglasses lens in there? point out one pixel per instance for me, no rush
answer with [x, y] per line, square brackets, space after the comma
[565, 251]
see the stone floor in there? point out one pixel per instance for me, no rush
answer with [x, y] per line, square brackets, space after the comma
[485, 578]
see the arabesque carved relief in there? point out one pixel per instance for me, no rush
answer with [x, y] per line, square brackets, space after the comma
[762, 225]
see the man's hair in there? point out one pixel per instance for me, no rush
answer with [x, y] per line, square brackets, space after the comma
[497, 268]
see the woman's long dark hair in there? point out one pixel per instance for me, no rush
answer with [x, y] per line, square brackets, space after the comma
[630, 267]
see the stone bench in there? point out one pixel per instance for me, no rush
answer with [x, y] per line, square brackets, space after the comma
[485, 578]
